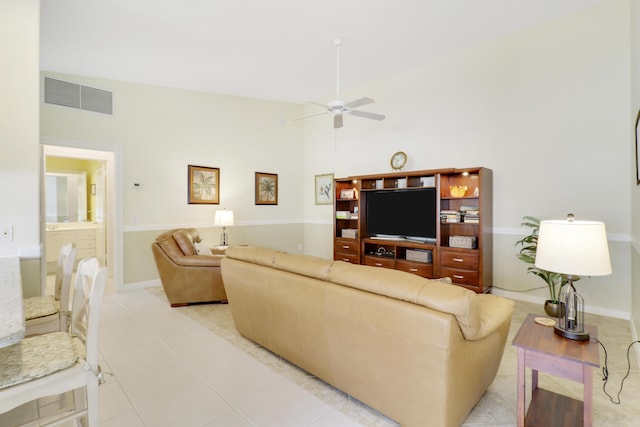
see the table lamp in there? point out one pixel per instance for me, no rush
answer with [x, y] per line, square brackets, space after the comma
[573, 248]
[224, 219]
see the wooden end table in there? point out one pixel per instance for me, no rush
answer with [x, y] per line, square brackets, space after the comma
[540, 349]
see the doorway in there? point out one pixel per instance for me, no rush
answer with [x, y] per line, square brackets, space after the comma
[61, 222]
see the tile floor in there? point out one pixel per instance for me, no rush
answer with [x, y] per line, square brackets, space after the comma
[170, 369]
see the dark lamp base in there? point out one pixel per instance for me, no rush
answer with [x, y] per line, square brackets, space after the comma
[572, 335]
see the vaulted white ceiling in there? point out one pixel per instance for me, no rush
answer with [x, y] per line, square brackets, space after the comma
[272, 49]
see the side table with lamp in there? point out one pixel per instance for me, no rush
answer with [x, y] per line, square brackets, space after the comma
[224, 219]
[573, 248]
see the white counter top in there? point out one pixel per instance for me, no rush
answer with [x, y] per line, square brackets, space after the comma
[11, 314]
[63, 226]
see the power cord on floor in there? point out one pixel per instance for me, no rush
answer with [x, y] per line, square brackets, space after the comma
[605, 371]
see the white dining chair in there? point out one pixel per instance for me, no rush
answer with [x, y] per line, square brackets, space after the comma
[58, 362]
[50, 313]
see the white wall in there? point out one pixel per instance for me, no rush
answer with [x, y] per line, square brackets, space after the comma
[547, 109]
[635, 190]
[19, 136]
[160, 131]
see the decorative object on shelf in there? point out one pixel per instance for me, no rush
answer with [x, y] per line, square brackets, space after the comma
[224, 219]
[465, 242]
[419, 255]
[527, 254]
[266, 188]
[203, 185]
[428, 181]
[573, 248]
[324, 189]
[398, 160]
[348, 194]
[457, 190]
[349, 233]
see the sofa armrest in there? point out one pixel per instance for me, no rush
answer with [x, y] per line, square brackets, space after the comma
[494, 311]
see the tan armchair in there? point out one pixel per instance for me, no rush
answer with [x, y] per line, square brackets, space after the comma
[186, 276]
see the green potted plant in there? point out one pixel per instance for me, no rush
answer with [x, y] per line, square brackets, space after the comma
[527, 254]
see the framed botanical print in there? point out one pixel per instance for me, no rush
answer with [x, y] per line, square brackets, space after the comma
[266, 188]
[324, 189]
[203, 185]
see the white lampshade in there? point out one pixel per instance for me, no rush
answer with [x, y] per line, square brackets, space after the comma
[577, 248]
[223, 218]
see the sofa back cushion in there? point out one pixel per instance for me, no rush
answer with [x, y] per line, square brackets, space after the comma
[252, 254]
[305, 265]
[186, 239]
[310, 266]
[435, 294]
[438, 294]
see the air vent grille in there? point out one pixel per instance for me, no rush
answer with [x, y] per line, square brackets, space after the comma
[61, 93]
[73, 95]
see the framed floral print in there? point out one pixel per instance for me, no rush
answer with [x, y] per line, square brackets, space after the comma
[266, 188]
[324, 189]
[204, 185]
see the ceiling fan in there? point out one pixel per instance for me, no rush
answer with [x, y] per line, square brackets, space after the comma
[339, 107]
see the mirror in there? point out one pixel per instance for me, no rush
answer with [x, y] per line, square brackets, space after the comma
[66, 197]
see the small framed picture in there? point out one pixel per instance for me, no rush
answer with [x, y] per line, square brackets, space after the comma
[324, 189]
[266, 188]
[203, 185]
[348, 194]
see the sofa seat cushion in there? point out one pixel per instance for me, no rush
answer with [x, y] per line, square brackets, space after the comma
[36, 357]
[37, 307]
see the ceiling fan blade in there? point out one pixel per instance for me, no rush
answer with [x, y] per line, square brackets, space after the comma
[308, 101]
[337, 120]
[367, 115]
[359, 102]
[310, 115]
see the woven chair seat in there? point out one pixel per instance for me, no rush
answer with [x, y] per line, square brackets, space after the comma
[36, 357]
[36, 307]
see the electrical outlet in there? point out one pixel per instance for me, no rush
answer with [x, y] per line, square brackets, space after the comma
[6, 234]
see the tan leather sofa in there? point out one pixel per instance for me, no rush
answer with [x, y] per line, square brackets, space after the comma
[186, 276]
[420, 351]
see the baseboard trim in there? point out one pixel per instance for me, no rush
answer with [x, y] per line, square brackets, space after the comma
[618, 314]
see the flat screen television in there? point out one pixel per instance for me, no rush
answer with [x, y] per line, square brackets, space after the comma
[410, 214]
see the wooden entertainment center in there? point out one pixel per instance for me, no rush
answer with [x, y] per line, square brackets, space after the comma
[463, 244]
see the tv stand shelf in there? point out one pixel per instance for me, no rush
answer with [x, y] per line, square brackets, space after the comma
[393, 254]
[462, 216]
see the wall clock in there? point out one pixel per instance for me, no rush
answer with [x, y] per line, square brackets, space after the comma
[398, 160]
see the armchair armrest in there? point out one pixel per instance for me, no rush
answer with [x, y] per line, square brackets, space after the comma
[198, 260]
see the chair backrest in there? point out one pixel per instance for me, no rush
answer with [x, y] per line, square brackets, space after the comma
[87, 299]
[64, 270]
